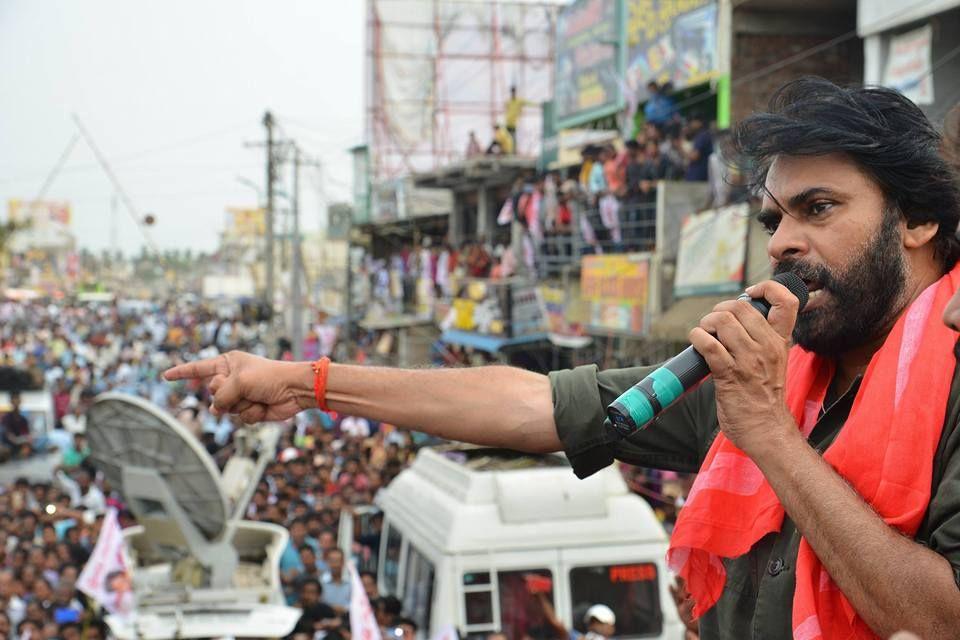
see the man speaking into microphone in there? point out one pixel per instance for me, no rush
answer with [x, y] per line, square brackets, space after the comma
[828, 499]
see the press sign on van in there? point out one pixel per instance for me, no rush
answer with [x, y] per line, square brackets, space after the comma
[633, 573]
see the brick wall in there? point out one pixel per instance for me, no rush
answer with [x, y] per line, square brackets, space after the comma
[842, 63]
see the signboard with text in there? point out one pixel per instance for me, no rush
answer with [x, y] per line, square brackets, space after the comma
[616, 288]
[246, 223]
[908, 65]
[713, 251]
[670, 40]
[589, 68]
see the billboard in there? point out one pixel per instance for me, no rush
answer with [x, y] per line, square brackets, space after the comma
[616, 287]
[589, 68]
[713, 252]
[45, 224]
[670, 40]
[246, 223]
[908, 65]
[40, 214]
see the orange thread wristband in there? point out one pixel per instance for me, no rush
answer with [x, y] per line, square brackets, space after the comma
[320, 369]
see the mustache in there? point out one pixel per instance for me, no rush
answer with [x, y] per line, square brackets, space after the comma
[809, 273]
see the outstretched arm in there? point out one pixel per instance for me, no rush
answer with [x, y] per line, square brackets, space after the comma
[492, 406]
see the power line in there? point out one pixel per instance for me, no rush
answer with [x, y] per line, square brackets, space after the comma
[128, 203]
[57, 167]
[133, 155]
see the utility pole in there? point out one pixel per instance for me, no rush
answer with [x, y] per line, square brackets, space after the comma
[271, 172]
[296, 270]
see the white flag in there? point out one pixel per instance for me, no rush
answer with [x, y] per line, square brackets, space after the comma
[447, 632]
[363, 623]
[105, 578]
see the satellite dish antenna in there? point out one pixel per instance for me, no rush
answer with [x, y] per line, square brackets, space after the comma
[199, 569]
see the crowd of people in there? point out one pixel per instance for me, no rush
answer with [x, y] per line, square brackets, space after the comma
[326, 463]
[607, 202]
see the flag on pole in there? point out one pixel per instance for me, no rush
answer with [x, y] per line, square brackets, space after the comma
[447, 632]
[106, 577]
[363, 623]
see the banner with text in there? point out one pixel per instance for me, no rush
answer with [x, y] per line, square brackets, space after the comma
[670, 40]
[908, 65]
[616, 286]
[588, 62]
[713, 252]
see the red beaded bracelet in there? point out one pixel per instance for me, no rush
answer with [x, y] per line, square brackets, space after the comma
[320, 369]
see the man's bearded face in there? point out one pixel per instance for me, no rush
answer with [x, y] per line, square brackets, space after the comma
[859, 299]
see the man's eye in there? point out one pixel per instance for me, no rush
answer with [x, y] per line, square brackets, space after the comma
[769, 222]
[818, 208]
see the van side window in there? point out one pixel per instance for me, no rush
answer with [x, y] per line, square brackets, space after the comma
[478, 600]
[418, 589]
[631, 590]
[520, 595]
[391, 560]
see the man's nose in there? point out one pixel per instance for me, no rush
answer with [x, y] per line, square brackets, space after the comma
[788, 241]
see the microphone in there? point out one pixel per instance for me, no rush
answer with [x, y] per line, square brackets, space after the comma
[636, 407]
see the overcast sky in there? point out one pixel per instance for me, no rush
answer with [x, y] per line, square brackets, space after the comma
[170, 92]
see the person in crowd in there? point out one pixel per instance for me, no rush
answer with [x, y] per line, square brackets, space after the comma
[660, 107]
[15, 437]
[512, 112]
[701, 146]
[76, 419]
[502, 144]
[408, 628]
[75, 455]
[336, 582]
[822, 411]
[721, 174]
[84, 493]
[317, 615]
[369, 581]
[388, 610]
[473, 146]
[599, 620]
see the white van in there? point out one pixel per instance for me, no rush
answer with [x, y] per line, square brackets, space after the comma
[471, 535]
[37, 406]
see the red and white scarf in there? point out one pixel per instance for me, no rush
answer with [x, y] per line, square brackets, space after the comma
[885, 451]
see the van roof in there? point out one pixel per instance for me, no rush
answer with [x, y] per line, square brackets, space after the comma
[464, 499]
[492, 459]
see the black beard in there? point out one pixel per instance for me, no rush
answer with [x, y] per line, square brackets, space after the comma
[864, 295]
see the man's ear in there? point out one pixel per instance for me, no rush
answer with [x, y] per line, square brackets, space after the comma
[917, 234]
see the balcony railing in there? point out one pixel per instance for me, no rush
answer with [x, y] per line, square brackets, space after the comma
[630, 227]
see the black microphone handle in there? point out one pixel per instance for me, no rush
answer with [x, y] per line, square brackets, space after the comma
[689, 366]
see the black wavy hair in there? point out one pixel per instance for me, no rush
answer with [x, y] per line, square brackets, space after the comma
[886, 134]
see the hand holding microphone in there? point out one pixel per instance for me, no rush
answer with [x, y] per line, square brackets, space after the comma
[638, 406]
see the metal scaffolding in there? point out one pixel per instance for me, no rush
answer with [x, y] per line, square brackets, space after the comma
[437, 69]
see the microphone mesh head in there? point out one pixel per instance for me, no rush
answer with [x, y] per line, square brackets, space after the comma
[796, 285]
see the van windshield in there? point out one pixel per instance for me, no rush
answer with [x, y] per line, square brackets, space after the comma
[631, 590]
[521, 594]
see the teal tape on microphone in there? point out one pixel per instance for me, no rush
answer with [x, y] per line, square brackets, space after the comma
[637, 407]
[666, 386]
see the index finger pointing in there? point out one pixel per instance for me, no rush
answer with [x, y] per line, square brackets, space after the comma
[200, 369]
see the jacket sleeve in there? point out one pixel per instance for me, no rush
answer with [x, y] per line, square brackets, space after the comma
[677, 440]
